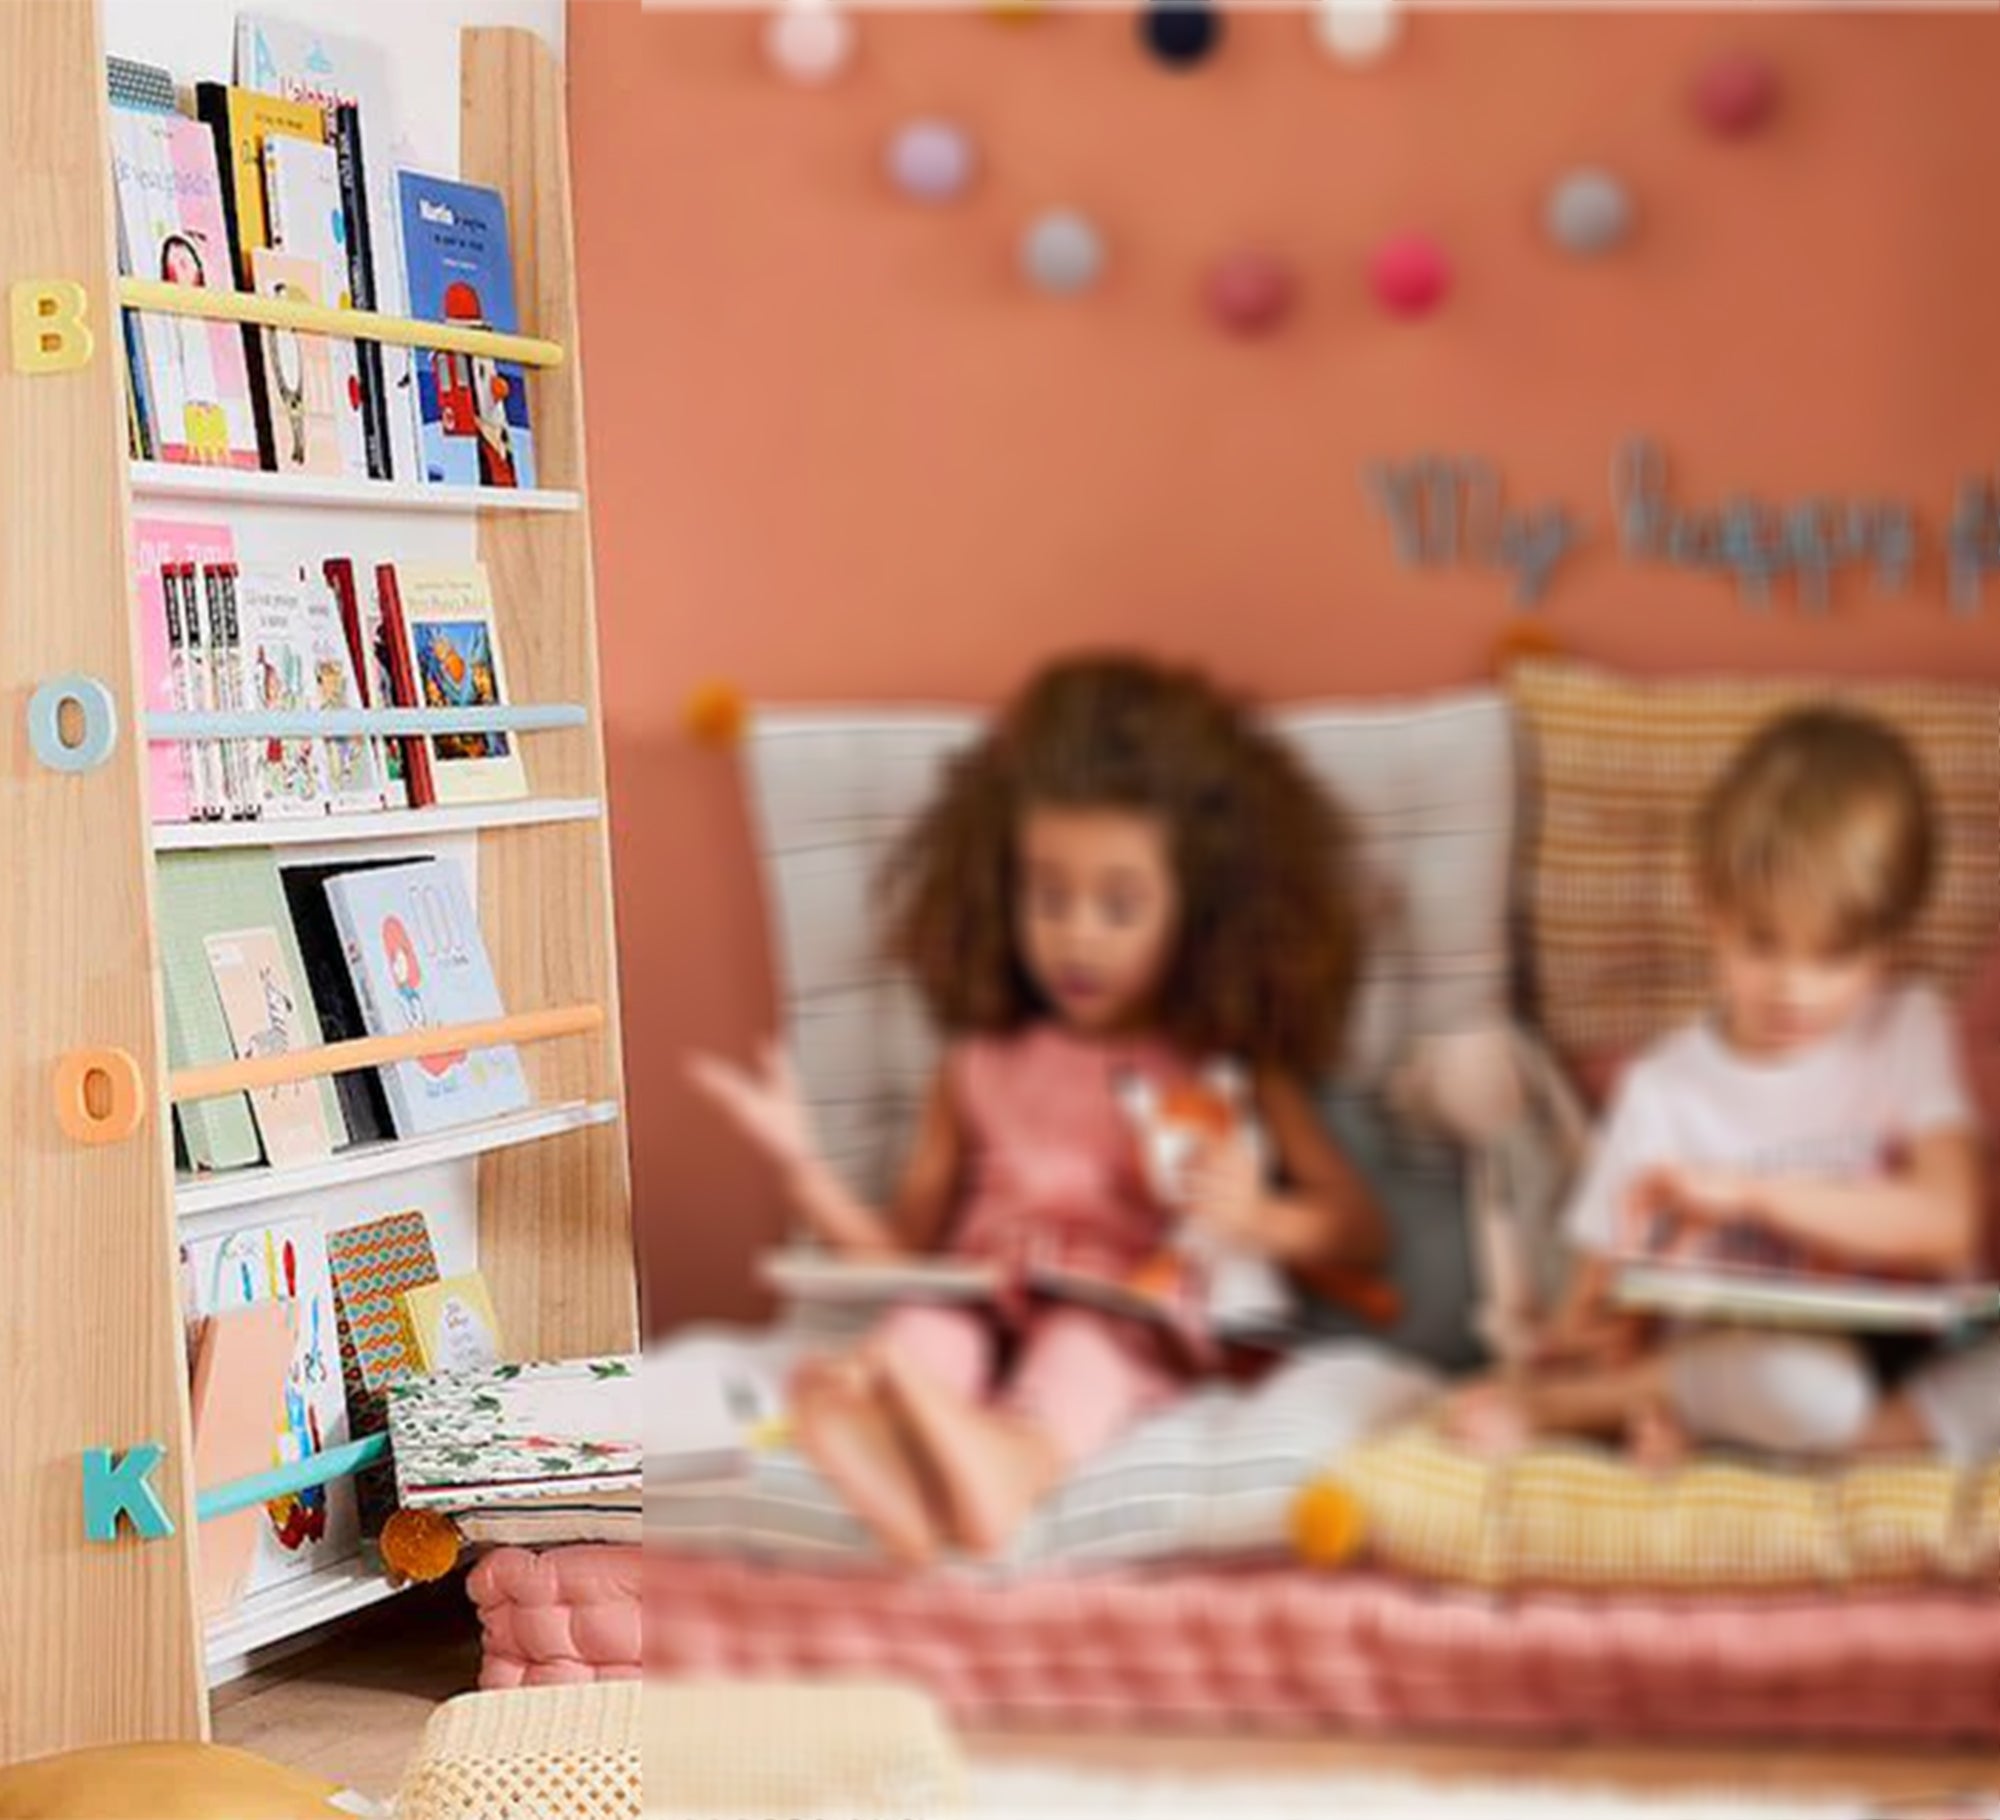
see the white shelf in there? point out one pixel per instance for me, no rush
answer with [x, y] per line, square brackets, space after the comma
[284, 1612]
[200, 1197]
[387, 824]
[174, 480]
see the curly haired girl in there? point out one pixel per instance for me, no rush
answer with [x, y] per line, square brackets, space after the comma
[1126, 874]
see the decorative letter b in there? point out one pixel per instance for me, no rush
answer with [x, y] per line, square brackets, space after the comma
[49, 332]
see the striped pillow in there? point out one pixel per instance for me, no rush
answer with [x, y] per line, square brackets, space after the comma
[1575, 1516]
[1429, 784]
[1618, 770]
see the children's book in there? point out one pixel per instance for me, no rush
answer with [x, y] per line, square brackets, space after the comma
[362, 1102]
[374, 675]
[264, 1005]
[1792, 1299]
[240, 122]
[373, 1264]
[172, 225]
[519, 1435]
[209, 598]
[278, 666]
[200, 894]
[353, 763]
[417, 961]
[394, 635]
[453, 650]
[174, 769]
[299, 375]
[460, 270]
[452, 1325]
[307, 221]
[242, 1359]
[286, 1260]
[350, 78]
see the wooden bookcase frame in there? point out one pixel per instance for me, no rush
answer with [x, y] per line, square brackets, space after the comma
[102, 1642]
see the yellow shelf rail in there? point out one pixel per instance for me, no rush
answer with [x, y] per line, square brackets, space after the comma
[321, 319]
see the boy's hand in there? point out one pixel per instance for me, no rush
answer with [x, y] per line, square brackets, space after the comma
[1606, 1337]
[1225, 1192]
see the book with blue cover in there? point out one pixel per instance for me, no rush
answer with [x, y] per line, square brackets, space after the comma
[417, 961]
[473, 411]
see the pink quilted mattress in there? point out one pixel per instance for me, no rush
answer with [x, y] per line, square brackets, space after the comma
[565, 1614]
[1278, 1649]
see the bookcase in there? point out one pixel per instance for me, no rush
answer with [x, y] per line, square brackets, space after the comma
[101, 1641]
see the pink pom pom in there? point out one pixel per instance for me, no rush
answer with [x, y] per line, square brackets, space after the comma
[1250, 293]
[1411, 275]
[1735, 93]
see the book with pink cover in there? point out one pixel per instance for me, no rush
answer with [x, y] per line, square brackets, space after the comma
[156, 543]
[241, 1359]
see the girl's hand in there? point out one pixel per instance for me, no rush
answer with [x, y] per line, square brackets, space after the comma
[766, 1106]
[1225, 1192]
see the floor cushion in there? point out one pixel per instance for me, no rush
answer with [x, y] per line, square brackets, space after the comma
[168, 1782]
[1577, 1516]
[531, 1751]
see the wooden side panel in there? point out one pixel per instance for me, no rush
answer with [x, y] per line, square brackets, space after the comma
[555, 1225]
[98, 1642]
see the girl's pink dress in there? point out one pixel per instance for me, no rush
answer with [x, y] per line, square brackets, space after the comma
[1053, 1179]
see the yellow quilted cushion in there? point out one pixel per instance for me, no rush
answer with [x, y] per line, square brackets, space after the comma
[1619, 769]
[1568, 1515]
[166, 1782]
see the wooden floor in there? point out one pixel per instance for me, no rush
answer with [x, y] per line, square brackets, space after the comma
[352, 1711]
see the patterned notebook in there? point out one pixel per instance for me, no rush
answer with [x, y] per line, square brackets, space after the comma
[372, 1266]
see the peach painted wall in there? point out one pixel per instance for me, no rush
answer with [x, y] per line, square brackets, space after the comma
[839, 452]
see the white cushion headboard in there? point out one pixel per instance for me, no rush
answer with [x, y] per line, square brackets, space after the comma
[1429, 785]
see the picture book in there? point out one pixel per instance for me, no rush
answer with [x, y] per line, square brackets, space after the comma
[277, 665]
[299, 375]
[308, 221]
[453, 651]
[1166, 1298]
[362, 1102]
[353, 763]
[286, 1260]
[373, 1264]
[459, 269]
[351, 79]
[198, 895]
[209, 614]
[452, 1324]
[242, 1359]
[417, 961]
[159, 545]
[172, 225]
[264, 1006]
[374, 678]
[395, 649]
[530, 1434]
[1847, 1304]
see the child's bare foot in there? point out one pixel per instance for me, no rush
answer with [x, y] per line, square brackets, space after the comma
[844, 1425]
[1656, 1439]
[993, 1468]
[1493, 1418]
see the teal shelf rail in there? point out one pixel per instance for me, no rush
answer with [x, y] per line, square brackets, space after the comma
[350, 723]
[320, 1469]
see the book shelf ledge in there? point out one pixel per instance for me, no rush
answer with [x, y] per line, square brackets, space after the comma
[387, 824]
[282, 1612]
[248, 486]
[166, 299]
[203, 1200]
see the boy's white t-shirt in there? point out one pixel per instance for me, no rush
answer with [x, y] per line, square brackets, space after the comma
[1839, 1110]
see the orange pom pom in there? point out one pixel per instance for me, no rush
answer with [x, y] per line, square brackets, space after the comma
[1328, 1524]
[419, 1545]
[1525, 639]
[715, 714]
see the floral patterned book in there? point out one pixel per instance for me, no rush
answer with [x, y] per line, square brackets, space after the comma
[544, 1433]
